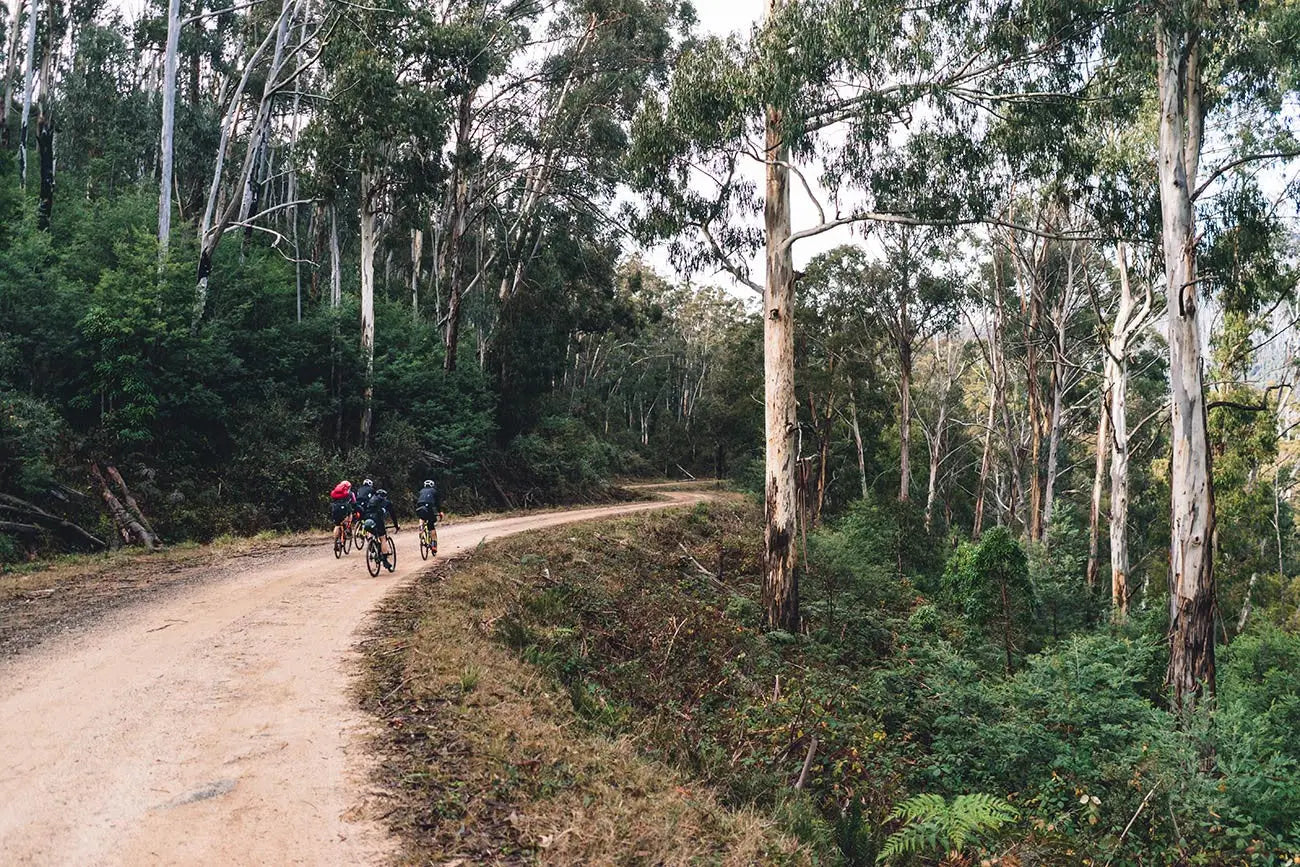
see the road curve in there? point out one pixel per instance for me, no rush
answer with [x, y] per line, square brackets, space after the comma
[214, 726]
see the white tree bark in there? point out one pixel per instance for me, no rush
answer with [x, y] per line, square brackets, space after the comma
[336, 275]
[1098, 485]
[369, 243]
[1191, 566]
[28, 65]
[1129, 319]
[166, 145]
[15, 9]
[904, 411]
[216, 215]
[417, 255]
[780, 584]
[936, 438]
[986, 458]
[857, 443]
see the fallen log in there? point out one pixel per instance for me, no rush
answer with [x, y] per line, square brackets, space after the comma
[35, 514]
[131, 530]
[131, 504]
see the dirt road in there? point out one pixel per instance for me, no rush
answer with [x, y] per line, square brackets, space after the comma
[214, 726]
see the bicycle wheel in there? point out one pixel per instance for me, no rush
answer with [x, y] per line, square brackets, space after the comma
[358, 534]
[373, 557]
[338, 546]
[347, 538]
[390, 557]
[424, 544]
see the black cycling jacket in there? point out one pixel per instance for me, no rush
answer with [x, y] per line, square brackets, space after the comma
[430, 496]
[379, 510]
[364, 493]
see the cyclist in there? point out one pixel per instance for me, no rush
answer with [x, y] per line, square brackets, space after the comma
[428, 506]
[363, 495]
[376, 514]
[342, 503]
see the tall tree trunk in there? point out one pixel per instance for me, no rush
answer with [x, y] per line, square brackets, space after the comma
[417, 256]
[292, 167]
[10, 65]
[1098, 488]
[936, 458]
[937, 438]
[986, 460]
[336, 265]
[1015, 452]
[28, 65]
[1128, 319]
[780, 578]
[1117, 377]
[217, 214]
[904, 412]
[369, 243]
[457, 225]
[1059, 383]
[1191, 566]
[1035, 423]
[166, 144]
[1053, 451]
[45, 147]
[857, 443]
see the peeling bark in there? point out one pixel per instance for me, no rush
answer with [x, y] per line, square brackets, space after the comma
[369, 243]
[28, 63]
[1191, 568]
[780, 575]
[1098, 488]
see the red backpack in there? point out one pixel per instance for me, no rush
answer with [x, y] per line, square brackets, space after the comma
[341, 491]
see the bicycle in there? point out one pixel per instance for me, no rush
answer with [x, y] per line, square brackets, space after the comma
[380, 552]
[358, 532]
[428, 539]
[343, 537]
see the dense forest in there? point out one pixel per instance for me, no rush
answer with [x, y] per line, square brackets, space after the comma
[994, 306]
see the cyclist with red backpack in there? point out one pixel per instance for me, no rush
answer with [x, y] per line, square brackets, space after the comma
[342, 504]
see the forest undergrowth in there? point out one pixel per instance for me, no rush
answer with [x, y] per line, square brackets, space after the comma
[893, 729]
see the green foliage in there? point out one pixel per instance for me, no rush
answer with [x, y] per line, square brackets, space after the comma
[989, 583]
[932, 824]
[29, 439]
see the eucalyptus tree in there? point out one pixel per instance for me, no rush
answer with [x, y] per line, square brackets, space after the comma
[542, 107]
[13, 27]
[1222, 78]
[888, 103]
[382, 130]
[29, 65]
[167, 148]
[228, 199]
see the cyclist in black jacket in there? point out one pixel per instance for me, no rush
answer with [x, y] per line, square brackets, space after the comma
[428, 503]
[428, 506]
[377, 512]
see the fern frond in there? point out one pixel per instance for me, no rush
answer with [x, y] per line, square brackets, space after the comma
[931, 824]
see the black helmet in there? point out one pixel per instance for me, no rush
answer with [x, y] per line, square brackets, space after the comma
[368, 482]
[428, 483]
[381, 493]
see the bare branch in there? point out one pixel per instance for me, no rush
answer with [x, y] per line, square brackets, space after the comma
[1227, 167]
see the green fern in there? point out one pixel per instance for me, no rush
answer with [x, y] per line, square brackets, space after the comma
[932, 824]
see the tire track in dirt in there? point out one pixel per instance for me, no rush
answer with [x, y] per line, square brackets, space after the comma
[215, 725]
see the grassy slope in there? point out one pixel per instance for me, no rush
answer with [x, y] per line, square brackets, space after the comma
[496, 749]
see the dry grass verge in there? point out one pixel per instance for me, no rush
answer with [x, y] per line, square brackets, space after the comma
[485, 761]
